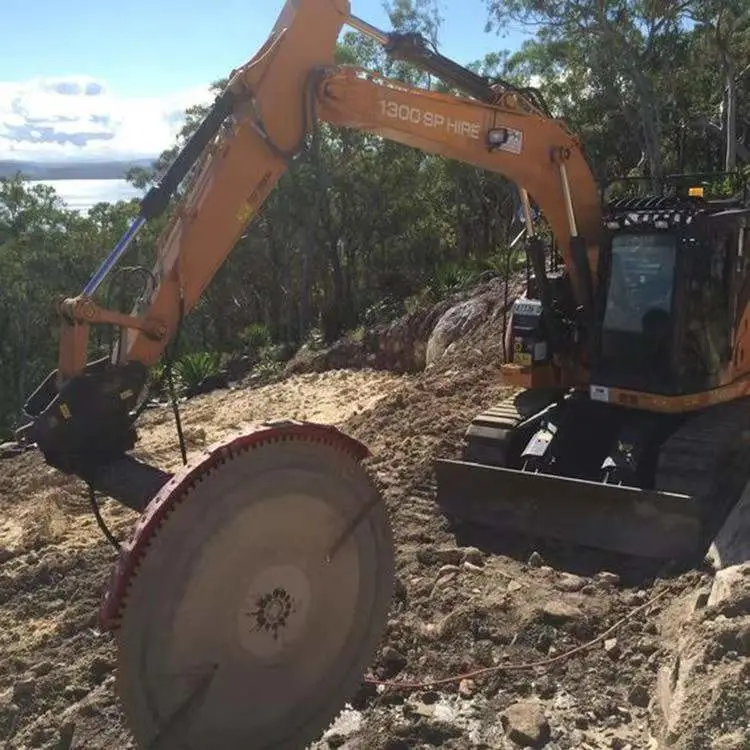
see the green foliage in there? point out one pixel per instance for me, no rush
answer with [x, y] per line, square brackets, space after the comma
[454, 277]
[255, 336]
[192, 369]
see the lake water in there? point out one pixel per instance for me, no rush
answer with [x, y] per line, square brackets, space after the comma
[81, 195]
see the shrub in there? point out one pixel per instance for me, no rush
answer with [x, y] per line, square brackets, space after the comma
[255, 336]
[192, 369]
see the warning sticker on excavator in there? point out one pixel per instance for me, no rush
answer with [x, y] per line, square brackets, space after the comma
[513, 141]
[523, 359]
[599, 393]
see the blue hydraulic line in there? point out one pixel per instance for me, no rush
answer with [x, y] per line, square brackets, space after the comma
[101, 273]
[156, 199]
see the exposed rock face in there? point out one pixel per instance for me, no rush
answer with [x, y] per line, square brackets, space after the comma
[418, 339]
[461, 319]
[732, 544]
[703, 690]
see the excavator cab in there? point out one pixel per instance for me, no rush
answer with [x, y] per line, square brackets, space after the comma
[671, 279]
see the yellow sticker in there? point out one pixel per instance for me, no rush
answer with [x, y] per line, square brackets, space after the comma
[65, 411]
[524, 359]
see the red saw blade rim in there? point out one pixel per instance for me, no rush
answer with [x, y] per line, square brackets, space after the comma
[177, 487]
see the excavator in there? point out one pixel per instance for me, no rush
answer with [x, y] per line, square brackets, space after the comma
[256, 585]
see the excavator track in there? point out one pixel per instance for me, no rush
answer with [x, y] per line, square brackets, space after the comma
[492, 434]
[708, 457]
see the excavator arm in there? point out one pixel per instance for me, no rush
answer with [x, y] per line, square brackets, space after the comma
[256, 126]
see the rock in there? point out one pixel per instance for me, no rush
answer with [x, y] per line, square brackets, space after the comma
[67, 731]
[730, 592]
[445, 569]
[439, 555]
[429, 631]
[473, 555]
[43, 668]
[701, 600]
[75, 692]
[639, 696]
[455, 323]
[743, 640]
[545, 687]
[471, 568]
[8, 715]
[366, 692]
[100, 668]
[607, 578]
[557, 612]
[23, 691]
[570, 583]
[526, 725]
[731, 546]
[535, 560]
[646, 646]
[612, 647]
[467, 688]
[484, 652]
[394, 661]
[514, 586]
[454, 622]
[448, 555]
[8, 450]
[443, 581]
[738, 740]
[424, 710]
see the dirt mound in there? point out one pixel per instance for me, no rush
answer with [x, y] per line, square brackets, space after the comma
[463, 609]
[463, 602]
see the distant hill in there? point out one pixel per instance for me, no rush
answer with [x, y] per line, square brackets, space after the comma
[95, 170]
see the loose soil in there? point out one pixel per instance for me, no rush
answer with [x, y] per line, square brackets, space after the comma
[465, 601]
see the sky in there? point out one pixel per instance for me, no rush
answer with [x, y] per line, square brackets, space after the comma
[110, 80]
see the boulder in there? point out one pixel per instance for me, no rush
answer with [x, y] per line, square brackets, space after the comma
[731, 546]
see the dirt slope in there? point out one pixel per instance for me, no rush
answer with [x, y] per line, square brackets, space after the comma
[463, 603]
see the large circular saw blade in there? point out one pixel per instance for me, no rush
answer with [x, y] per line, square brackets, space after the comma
[236, 631]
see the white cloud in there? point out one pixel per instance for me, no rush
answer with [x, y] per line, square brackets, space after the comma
[80, 118]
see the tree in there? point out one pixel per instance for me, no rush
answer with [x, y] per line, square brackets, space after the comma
[616, 49]
[724, 28]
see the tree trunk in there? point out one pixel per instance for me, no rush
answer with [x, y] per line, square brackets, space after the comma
[730, 128]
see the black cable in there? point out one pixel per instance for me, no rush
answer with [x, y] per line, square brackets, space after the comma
[168, 360]
[113, 540]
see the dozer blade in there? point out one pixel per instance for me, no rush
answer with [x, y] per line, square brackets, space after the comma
[611, 517]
